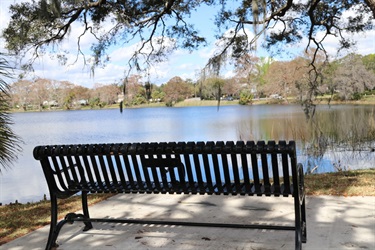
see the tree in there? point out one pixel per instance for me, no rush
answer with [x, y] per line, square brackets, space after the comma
[20, 93]
[369, 62]
[211, 88]
[9, 141]
[176, 90]
[162, 26]
[108, 94]
[283, 77]
[262, 69]
[131, 88]
[352, 78]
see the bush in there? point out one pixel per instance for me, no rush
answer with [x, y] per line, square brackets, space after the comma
[357, 96]
[246, 98]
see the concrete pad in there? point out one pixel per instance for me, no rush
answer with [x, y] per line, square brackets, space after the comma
[332, 223]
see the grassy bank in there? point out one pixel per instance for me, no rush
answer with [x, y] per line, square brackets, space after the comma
[18, 220]
[321, 100]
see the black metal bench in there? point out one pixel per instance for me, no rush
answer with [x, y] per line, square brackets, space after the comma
[242, 168]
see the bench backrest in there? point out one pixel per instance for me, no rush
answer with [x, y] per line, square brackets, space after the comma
[245, 168]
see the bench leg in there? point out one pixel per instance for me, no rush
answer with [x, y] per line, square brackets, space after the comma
[88, 225]
[298, 225]
[52, 230]
[304, 225]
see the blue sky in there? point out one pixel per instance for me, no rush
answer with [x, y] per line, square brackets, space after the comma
[181, 63]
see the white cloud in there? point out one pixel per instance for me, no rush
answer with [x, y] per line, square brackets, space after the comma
[365, 43]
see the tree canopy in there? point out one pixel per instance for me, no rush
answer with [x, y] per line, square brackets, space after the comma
[162, 26]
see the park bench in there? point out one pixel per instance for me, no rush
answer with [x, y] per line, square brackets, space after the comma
[193, 168]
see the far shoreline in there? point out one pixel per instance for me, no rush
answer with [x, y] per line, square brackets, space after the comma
[369, 100]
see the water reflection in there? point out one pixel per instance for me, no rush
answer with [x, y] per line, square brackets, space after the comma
[340, 137]
[337, 138]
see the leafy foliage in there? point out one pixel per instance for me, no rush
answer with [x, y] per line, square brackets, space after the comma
[8, 139]
[246, 98]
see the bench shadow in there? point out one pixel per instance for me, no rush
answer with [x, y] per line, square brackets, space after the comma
[195, 208]
[332, 223]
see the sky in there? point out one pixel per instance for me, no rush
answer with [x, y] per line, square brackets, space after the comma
[180, 62]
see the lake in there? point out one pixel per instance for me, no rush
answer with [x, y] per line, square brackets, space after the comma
[338, 138]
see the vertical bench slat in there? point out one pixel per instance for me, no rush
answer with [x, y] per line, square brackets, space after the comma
[245, 168]
[164, 182]
[134, 162]
[113, 181]
[107, 155]
[217, 186]
[284, 160]
[145, 152]
[191, 182]
[293, 163]
[155, 177]
[275, 168]
[147, 179]
[181, 169]
[59, 165]
[236, 175]
[209, 187]
[103, 167]
[180, 185]
[137, 150]
[58, 173]
[160, 150]
[172, 184]
[207, 151]
[129, 172]
[151, 152]
[79, 151]
[75, 171]
[83, 173]
[98, 176]
[250, 148]
[218, 183]
[68, 176]
[246, 176]
[228, 184]
[198, 148]
[95, 183]
[266, 176]
[92, 150]
[236, 188]
[122, 176]
[66, 157]
[114, 151]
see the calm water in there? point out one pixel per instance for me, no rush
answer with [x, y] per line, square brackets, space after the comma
[25, 181]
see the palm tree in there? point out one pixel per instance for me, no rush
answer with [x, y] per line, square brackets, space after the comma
[9, 141]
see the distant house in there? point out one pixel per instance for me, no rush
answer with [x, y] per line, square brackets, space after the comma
[83, 102]
[52, 103]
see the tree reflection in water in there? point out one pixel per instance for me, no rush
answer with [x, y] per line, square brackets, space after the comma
[334, 139]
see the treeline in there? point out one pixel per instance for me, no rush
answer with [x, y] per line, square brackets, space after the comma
[349, 78]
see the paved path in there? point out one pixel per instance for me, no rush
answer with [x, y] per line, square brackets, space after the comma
[332, 223]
